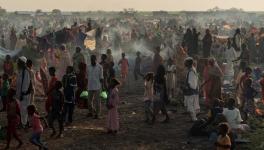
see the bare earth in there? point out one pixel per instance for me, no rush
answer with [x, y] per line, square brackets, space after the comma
[135, 134]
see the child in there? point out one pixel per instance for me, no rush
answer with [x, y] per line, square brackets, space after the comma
[56, 109]
[112, 105]
[223, 141]
[161, 94]
[53, 79]
[124, 67]
[250, 93]
[4, 92]
[13, 118]
[36, 126]
[149, 81]
[262, 87]
[69, 85]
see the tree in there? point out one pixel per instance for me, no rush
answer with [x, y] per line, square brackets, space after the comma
[2, 11]
[38, 11]
[56, 12]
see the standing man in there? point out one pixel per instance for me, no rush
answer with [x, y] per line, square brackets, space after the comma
[157, 60]
[69, 86]
[207, 44]
[237, 40]
[95, 80]
[191, 93]
[77, 58]
[137, 66]
[33, 80]
[23, 88]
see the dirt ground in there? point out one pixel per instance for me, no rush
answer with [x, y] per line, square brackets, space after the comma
[135, 134]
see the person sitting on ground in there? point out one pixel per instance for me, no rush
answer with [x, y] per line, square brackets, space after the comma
[223, 141]
[233, 117]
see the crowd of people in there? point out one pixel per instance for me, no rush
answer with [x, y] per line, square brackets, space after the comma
[186, 69]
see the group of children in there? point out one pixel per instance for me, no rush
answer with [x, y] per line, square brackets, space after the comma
[13, 121]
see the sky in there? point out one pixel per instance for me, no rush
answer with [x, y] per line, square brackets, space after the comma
[117, 5]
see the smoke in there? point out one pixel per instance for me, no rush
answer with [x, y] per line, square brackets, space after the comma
[12, 53]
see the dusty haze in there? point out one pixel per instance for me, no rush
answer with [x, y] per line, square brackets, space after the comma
[116, 5]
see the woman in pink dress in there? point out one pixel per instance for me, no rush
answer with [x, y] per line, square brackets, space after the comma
[112, 105]
[124, 67]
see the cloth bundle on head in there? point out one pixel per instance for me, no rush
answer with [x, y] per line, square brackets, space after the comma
[23, 59]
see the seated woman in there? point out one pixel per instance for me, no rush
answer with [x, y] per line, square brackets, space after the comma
[233, 117]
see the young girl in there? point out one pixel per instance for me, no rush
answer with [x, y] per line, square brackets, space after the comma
[124, 67]
[223, 141]
[37, 127]
[148, 95]
[112, 105]
[13, 118]
[250, 93]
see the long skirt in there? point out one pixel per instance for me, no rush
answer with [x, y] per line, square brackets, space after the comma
[113, 119]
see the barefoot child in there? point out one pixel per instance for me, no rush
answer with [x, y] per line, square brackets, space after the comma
[112, 105]
[124, 67]
[223, 141]
[13, 118]
[36, 126]
[148, 95]
[53, 79]
[56, 109]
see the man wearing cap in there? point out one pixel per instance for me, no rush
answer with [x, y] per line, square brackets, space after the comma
[23, 88]
[191, 93]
